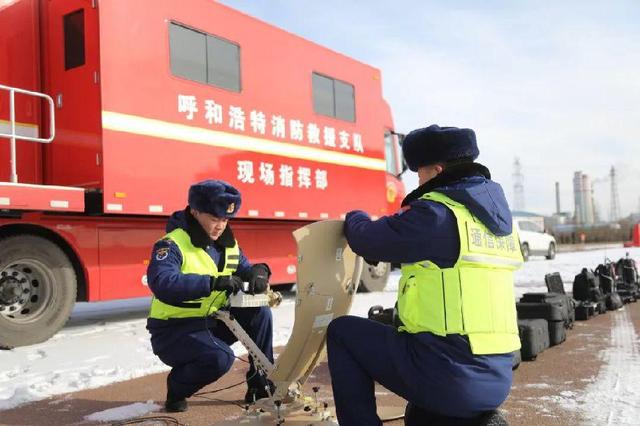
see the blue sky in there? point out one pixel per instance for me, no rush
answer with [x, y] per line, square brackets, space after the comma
[553, 83]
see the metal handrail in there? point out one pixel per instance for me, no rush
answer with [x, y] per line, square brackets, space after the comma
[12, 122]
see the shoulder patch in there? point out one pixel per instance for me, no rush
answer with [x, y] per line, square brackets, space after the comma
[162, 253]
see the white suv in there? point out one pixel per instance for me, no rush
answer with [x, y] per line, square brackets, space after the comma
[534, 241]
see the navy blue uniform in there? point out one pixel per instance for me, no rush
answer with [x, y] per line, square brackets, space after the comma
[431, 372]
[198, 348]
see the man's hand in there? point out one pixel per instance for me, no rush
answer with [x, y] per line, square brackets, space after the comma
[259, 281]
[230, 284]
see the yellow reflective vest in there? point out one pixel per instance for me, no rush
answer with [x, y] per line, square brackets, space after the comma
[474, 297]
[196, 261]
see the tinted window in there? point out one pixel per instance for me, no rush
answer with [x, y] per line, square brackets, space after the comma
[530, 226]
[188, 53]
[345, 103]
[73, 39]
[390, 154]
[323, 95]
[223, 60]
[333, 98]
[204, 58]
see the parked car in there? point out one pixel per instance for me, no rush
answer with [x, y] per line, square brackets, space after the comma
[534, 240]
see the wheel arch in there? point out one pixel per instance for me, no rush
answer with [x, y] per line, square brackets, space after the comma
[41, 231]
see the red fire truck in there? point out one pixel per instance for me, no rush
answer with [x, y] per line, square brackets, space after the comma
[109, 110]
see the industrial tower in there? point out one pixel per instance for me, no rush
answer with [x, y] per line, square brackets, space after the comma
[518, 186]
[583, 196]
[614, 212]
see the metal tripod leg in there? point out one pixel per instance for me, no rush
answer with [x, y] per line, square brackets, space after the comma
[260, 361]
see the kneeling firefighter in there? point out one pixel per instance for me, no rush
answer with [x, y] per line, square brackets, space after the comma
[193, 269]
[450, 353]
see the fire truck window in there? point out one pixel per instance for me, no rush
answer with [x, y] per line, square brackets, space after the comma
[333, 97]
[345, 102]
[188, 52]
[390, 154]
[204, 58]
[323, 95]
[73, 39]
[223, 59]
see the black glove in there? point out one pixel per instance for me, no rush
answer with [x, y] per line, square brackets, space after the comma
[227, 283]
[259, 278]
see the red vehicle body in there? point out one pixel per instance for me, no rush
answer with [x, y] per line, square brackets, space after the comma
[131, 136]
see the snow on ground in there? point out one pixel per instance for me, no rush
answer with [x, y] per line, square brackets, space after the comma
[122, 413]
[107, 342]
[614, 397]
[531, 277]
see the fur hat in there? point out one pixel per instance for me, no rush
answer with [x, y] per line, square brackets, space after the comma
[215, 197]
[435, 144]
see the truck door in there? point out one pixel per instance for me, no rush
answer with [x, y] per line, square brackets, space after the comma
[72, 78]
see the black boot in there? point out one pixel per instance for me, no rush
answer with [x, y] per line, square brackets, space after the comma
[493, 418]
[255, 393]
[174, 403]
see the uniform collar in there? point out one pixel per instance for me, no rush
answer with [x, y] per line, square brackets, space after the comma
[201, 239]
[450, 175]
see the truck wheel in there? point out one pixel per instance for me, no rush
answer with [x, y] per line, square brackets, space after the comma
[374, 278]
[551, 253]
[525, 251]
[37, 290]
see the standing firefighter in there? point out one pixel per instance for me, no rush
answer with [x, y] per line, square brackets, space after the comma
[449, 353]
[193, 269]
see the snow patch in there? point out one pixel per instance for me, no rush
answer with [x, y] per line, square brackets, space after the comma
[19, 394]
[537, 385]
[125, 412]
[614, 397]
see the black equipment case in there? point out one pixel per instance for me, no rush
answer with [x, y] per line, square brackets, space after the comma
[534, 337]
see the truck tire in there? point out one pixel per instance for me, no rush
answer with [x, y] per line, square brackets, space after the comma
[37, 290]
[374, 278]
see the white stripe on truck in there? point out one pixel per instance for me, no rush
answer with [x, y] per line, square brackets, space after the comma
[166, 130]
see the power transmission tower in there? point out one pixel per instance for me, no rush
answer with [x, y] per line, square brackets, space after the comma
[518, 186]
[614, 213]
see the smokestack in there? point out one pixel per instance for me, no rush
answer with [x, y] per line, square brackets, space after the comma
[558, 197]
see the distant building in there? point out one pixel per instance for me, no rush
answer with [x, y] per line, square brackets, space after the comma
[557, 219]
[583, 197]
